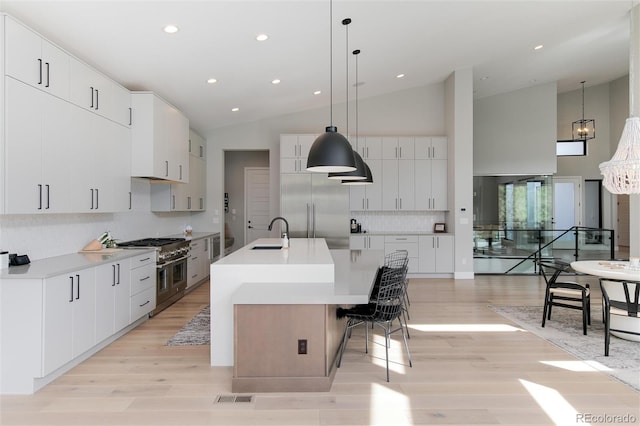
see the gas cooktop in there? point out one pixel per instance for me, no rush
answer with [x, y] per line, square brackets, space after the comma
[150, 242]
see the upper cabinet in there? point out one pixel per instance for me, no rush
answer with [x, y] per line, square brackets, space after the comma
[34, 61]
[91, 90]
[60, 155]
[294, 150]
[160, 139]
[397, 148]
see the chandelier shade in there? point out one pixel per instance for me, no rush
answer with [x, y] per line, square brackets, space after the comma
[622, 172]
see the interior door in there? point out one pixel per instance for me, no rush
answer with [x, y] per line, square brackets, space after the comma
[567, 202]
[257, 203]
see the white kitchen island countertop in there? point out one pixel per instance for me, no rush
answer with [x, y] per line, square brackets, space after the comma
[305, 273]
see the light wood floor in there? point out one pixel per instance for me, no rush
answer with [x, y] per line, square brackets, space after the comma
[466, 370]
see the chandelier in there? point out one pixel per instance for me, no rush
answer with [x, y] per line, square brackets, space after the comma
[583, 129]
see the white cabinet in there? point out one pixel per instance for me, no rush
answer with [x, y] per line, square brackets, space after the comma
[182, 196]
[369, 148]
[35, 61]
[198, 261]
[408, 243]
[93, 91]
[436, 253]
[294, 150]
[101, 163]
[431, 174]
[160, 139]
[398, 185]
[368, 197]
[69, 321]
[394, 147]
[197, 145]
[366, 242]
[37, 151]
[113, 286]
[142, 300]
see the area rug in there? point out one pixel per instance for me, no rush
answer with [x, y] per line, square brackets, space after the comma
[565, 331]
[196, 332]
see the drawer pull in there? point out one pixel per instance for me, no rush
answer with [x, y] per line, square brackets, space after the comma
[145, 278]
[145, 303]
[145, 259]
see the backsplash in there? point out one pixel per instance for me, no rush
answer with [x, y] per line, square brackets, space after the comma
[398, 221]
[49, 235]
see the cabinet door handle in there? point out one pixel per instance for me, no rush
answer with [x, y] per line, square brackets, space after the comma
[173, 202]
[118, 274]
[400, 203]
[396, 152]
[400, 152]
[91, 106]
[166, 167]
[78, 286]
[130, 117]
[40, 71]
[145, 303]
[47, 64]
[145, 259]
[71, 286]
[114, 275]
[180, 171]
[47, 186]
[129, 200]
[97, 100]
[39, 196]
[401, 239]
[91, 198]
[145, 278]
[201, 203]
[367, 204]
[189, 203]
[201, 151]
[97, 199]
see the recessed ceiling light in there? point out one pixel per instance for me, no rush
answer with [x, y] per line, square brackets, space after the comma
[275, 81]
[262, 37]
[235, 109]
[399, 75]
[538, 47]
[317, 92]
[171, 29]
[212, 80]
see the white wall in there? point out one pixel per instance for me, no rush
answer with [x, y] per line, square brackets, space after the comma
[515, 133]
[417, 111]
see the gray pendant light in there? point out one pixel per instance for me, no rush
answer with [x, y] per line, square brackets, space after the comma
[331, 152]
[368, 180]
[360, 172]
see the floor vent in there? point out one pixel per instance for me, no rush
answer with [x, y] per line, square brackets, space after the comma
[234, 398]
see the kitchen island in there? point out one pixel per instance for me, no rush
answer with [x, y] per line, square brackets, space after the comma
[273, 311]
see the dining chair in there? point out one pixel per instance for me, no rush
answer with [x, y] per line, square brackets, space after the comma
[387, 308]
[566, 294]
[620, 302]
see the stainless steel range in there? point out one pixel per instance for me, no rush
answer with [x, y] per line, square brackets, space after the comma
[171, 266]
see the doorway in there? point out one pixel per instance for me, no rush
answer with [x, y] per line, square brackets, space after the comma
[257, 203]
[235, 163]
[567, 202]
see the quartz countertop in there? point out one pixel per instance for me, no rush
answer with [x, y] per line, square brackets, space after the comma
[57, 265]
[418, 233]
[301, 251]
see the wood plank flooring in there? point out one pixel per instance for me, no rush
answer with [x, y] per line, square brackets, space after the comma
[466, 370]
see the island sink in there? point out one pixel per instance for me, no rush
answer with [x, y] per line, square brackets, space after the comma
[266, 247]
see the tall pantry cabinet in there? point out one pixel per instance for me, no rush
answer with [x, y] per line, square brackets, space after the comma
[63, 152]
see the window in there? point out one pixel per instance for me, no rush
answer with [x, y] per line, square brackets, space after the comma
[571, 148]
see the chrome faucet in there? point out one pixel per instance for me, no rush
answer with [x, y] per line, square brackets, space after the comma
[286, 232]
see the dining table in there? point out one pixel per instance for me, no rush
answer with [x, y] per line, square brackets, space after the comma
[615, 270]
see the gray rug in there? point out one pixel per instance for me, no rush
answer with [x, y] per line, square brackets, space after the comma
[565, 331]
[196, 332]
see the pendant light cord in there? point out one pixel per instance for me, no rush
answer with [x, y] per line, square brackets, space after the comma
[331, 62]
[346, 23]
[355, 53]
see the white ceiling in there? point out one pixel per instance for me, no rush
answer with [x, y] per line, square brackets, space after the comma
[425, 40]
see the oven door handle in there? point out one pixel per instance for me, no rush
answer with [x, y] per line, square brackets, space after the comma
[171, 262]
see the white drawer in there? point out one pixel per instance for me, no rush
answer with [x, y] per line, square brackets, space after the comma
[143, 278]
[401, 239]
[411, 248]
[143, 303]
[148, 258]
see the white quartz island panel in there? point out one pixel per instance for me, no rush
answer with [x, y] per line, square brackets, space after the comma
[305, 261]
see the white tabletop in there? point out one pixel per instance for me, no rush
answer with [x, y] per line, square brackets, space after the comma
[617, 270]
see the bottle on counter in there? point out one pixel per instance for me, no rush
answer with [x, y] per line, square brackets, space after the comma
[285, 240]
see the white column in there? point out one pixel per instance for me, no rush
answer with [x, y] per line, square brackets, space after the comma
[634, 106]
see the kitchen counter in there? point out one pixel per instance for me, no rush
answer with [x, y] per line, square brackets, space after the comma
[52, 266]
[399, 233]
[256, 293]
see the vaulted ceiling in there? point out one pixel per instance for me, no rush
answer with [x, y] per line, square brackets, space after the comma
[424, 40]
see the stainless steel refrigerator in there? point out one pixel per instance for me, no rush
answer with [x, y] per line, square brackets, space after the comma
[316, 207]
